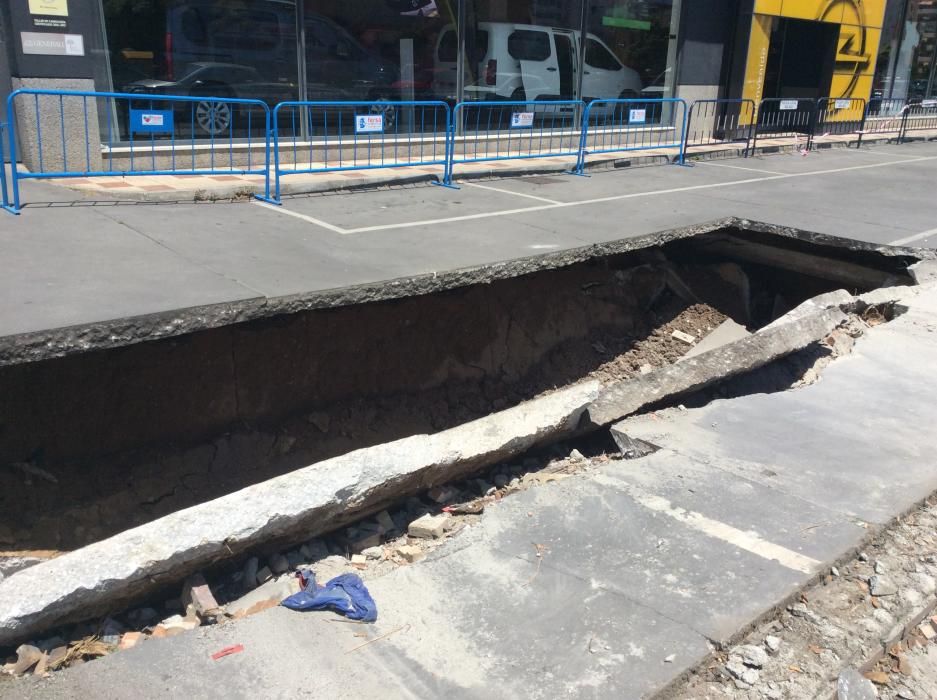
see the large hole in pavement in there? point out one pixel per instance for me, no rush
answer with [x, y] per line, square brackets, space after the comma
[96, 443]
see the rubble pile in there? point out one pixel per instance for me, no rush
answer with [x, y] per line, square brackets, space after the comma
[403, 534]
[851, 636]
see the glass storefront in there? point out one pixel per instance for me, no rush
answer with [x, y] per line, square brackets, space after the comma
[383, 50]
[908, 59]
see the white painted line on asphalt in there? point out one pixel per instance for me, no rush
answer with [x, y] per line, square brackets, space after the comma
[619, 197]
[503, 191]
[878, 152]
[297, 215]
[916, 237]
[747, 540]
[738, 167]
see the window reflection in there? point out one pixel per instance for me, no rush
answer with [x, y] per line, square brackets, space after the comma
[388, 50]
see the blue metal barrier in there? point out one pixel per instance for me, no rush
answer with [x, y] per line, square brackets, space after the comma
[610, 126]
[316, 137]
[839, 116]
[4, 197]
[130, 134]
[786, 117]
[509, 130]
[720, 123]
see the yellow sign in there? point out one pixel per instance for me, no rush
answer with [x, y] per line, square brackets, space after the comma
[859, 23]
[49, 7]
[757, 59]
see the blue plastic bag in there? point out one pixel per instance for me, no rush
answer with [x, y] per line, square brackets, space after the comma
[345, 594]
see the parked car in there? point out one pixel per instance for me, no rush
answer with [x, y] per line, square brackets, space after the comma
[248, 50]
[219, 80]
[530, 62]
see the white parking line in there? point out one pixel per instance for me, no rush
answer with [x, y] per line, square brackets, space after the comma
[916, 237]
[747, 540]
[615, 198]
[597, 200]
[297, 215]
[737, 167]
[879, 152]
[503, 191]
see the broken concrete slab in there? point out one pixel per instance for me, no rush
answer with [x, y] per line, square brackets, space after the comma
[623, 398]
[839, 298]
[728, 332]
[289, 508]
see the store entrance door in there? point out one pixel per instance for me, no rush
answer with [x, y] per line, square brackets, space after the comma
[801, 57]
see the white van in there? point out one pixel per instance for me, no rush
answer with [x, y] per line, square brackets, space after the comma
[531, 62]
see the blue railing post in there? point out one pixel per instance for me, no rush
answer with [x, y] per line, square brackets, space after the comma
[4, 197]
[683, 131]
[583, 135]
[14, 207]
[272, 142]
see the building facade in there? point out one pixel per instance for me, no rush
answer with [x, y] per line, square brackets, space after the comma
[455, 50]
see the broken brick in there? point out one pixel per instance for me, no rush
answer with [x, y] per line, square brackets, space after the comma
[409, 552]
[130, 640]
[195, 592]
[428, 526]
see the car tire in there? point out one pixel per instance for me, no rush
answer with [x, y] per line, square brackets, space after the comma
[213, 116]
[389, 111]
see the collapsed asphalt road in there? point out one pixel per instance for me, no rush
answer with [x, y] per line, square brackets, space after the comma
[614, 581]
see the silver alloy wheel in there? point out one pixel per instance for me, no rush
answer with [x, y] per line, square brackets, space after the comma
[213, 117]
[382, 106]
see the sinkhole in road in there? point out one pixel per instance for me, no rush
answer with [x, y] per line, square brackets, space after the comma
[96, 443]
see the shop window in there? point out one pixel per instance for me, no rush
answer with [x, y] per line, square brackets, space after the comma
[527, 45]
[597, 56]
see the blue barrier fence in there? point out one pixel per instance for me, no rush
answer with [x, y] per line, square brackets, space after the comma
[79, 134]
[317, 137]
[4, 195]
[143, 134]
[512, 130]
[611, 126]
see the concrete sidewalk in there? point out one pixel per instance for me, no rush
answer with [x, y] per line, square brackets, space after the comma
[222, 185]
[79, 275]
[645, 566]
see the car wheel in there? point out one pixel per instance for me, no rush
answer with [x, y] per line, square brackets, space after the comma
[382, 105]
[213, 117]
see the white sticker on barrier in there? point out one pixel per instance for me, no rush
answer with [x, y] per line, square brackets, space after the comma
[369, 123]
[842, 104]
[522, 120]
[637, 116]
[788, 105]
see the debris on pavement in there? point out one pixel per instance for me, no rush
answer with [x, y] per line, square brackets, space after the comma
[685, 337]
[227, 651]
[345, 594]
[195, 592]
[851, 685]
[428, 526]
[835, 635]
[377, 639]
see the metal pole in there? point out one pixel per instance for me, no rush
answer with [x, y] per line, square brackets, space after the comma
[460, 57]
